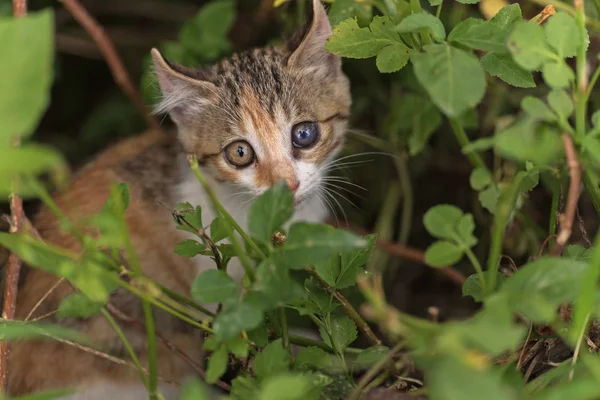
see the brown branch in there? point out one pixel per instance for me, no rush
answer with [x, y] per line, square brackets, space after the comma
[566, 219]
[408, 253]
[139, 325]
[202, 233]
[113, 60]
[348, 308]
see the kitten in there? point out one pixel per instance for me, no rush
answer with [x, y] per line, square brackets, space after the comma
[252, 119]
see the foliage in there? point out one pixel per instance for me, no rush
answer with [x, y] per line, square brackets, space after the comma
[453, 68]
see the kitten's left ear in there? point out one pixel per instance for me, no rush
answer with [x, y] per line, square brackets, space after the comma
[310, 52]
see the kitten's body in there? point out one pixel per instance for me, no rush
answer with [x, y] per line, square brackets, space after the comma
[251, 98]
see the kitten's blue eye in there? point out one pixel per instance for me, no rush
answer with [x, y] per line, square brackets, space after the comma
[305, 134]
[239, 153]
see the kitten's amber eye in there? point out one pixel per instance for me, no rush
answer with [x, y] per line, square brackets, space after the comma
[305, 134]
[240, 154]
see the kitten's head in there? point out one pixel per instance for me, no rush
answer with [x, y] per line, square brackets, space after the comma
[263, 115]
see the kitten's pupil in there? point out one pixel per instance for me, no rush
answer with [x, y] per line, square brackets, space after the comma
[241, 152]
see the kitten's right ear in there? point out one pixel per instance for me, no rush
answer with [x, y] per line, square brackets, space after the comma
[184, 92]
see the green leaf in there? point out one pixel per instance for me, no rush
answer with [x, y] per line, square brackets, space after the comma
[557, 74]
[344, 9]
[489, 198]
[213, 286]
[26, 74]
[465, 229]
[453, 78]
[504, 67]
[217, 365]
[193, 389]
[468, 1]
[472, 286]
[579, 253]
[273, 359]
[270, 211]
[508, 16]
[528, 46]
[11, 330]
[369, 357]
[537, 109]
[563, 35]
[343, 333]
[443, 254]
[480, 178]
[480, 35]
[86, 274]
[351, 41]
[29, 159]
[423, 21]
[243, 316]
[312, 357]
[205, 35]
[392, 58]
[351, 263]
[78, 305]
[561, 103]
[238, 347]
[192, 215]
[287, 387]
[539, 287]
[309, 244]
[525, 140]
[441, 220]
[189, 248]
[273, 287]
[219, 229]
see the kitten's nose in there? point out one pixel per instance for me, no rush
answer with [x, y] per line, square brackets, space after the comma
[293, 185]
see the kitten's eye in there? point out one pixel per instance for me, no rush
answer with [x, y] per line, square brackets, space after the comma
[305, 134]
[240, 154]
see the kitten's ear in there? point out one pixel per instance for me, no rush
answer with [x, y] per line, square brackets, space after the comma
[309, 52]
[184, 92]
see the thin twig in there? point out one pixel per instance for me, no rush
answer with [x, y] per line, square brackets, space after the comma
[371, 373]
[348, 308]
[566, 219]
[202, 233]
[115, 64]
[139, 325]
[401, 251]
[44, 297]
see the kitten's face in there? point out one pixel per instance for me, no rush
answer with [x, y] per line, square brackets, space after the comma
[263, 115]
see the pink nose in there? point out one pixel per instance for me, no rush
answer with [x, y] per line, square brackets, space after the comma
[293, 185]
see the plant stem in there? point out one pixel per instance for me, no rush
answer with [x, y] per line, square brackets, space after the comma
[592, 83]
[186, 301]
[415, 6]
[284, 328]
[463, 140]
[476, 265]
[245, 260]
[149, 320]
[348, 308]
[582, 79]
[592, 189]
[407, 199]
[127, 345]
[374, 370]
[438, 11]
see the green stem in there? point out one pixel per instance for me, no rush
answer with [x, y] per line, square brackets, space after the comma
[592, 189]
[149, 320]
[438, 10]
[463, 141]
[284, 328]
[476, 265]
[186, 301]
[582, 80]
[245, 260]
[592, 83]
[415, 6]
[504, 209]
[407, 199]
[127, 345]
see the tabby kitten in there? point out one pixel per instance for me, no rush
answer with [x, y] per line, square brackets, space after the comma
[251, 120]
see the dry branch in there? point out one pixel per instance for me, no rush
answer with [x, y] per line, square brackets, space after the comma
[11, 282]
[566, 219]
[115, 64]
